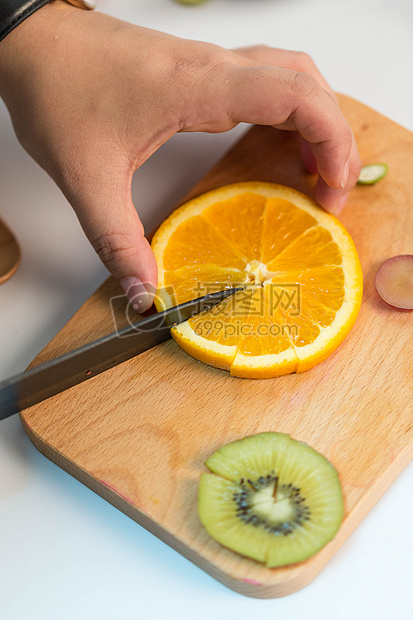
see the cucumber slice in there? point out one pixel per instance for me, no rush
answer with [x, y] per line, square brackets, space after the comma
[372, 173]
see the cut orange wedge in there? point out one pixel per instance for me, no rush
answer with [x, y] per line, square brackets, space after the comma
[298, 266]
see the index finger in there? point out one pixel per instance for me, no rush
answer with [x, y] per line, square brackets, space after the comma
[287, 99]
[286, 59]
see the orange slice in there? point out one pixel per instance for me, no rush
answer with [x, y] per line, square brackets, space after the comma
[298, 266]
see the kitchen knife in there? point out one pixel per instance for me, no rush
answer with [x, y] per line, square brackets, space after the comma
[31, 387]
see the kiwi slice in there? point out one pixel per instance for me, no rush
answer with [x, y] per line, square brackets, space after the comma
[271, 498]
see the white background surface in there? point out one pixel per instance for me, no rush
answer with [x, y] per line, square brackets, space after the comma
[65, 554]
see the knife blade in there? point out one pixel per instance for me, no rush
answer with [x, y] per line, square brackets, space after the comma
[45, 380]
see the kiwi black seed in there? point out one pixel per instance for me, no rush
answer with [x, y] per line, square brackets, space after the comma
[271, 498]
[244, 499]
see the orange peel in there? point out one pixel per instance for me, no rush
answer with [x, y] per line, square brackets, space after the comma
[297, 264]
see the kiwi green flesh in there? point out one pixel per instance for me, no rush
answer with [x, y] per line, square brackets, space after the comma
[271, 498]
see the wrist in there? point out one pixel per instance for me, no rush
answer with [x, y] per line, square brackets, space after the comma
[15, 12]
[30, 42]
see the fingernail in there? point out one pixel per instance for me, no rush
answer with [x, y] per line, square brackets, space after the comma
[137, 293]
[346, 170]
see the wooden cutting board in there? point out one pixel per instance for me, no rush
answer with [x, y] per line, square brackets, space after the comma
[139, 434]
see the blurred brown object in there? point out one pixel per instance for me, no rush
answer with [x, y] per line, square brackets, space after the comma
[10, 254]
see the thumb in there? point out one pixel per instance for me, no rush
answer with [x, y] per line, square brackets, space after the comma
[112, 225]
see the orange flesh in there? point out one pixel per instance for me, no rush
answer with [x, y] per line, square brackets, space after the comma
[210, 252]
[290, 266]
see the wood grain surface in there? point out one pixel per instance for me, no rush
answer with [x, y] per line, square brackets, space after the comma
[139, 434]
[9, 253]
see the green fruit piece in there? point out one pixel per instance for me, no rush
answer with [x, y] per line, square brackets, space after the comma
[372, 173]
[271, 498]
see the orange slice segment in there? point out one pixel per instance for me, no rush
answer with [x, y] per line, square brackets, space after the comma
[192, 282]
[298, 265]
[240, 219]
[264, 347]
[197, 242]
[283, 224]
[212, 336]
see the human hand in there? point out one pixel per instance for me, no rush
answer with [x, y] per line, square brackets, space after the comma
[104, 95]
